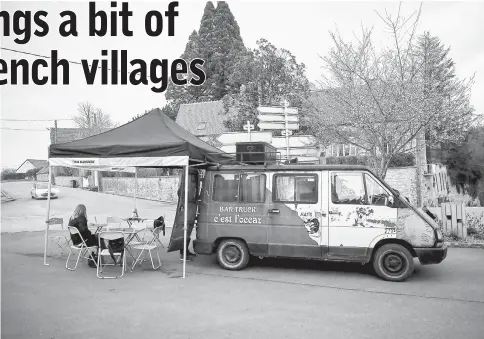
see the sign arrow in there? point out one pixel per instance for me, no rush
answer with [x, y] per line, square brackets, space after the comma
[278, 125]
[277, 118]
[277, 110]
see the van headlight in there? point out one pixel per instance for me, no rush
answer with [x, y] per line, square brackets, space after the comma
[440, 237]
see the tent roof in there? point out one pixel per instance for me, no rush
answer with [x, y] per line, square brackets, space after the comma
[151, 135]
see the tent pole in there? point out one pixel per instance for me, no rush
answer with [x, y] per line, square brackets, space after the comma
[136, 188]
[47, 217]
[185, 222]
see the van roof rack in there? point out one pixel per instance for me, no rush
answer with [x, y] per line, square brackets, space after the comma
[268, 158]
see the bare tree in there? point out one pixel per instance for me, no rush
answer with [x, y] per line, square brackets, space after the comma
[92, 120]
[382, 100]
[7, 170]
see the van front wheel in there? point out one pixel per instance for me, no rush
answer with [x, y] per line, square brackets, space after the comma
[393, 262]
[232, 254]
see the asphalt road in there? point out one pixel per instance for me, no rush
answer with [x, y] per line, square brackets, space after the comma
[26, 214]
[271, 298]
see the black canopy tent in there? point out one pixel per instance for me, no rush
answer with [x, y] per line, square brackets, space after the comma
[153, 140]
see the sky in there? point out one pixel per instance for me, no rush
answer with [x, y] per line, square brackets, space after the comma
[301, 27]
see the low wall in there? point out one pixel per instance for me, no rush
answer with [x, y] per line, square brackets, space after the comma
[66, 181]
[159, 188]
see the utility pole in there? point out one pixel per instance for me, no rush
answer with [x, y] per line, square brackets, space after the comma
[418, 163]
[287, 129]
[55, 131]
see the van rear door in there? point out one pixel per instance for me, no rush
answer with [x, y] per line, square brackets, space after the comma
[176, 238]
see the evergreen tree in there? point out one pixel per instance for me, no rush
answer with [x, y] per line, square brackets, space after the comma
[440, 86]
[218, 43]
[226, 45]
[265, 76]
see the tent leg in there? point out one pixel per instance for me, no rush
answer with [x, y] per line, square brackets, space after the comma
[185, 222]
[47, 217]
[136, 188]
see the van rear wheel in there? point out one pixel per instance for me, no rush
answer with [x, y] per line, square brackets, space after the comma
[393, 262]
[233, 254]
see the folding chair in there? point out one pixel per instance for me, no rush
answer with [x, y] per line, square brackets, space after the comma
[109, 235]
[60, 243]
[150, 245]
[81, 247]
[163, 228]
[113, 222]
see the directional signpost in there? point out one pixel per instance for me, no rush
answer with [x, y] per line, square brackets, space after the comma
[249, 127]
[286, 133]
[283, 118]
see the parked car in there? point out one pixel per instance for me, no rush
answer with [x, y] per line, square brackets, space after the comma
[40, 190]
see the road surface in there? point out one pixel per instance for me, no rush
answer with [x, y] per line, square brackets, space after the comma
[26, 214]
[270, 299]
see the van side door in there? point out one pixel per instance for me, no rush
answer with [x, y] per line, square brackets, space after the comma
[237, 208]
[296, 227]
[360, 213]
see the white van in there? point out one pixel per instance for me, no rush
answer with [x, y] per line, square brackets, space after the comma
[321, 212]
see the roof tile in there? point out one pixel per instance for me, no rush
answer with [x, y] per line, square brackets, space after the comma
[202, 118]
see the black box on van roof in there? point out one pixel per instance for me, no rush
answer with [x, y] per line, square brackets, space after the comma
[255, 153]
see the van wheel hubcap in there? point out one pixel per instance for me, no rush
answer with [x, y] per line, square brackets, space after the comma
[232, 254]
[393, 263]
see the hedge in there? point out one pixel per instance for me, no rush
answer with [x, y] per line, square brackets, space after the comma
[399, 160]
[13, 176]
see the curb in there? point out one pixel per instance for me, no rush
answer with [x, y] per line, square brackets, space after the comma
[464, 245]
[6, 197]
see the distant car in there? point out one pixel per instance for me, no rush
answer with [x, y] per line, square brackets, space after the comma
[40, 190]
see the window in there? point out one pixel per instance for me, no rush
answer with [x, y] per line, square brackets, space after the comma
[245, 188]
[226, 187]
[347, 150]
[295, 188]
[352, 150]
[376, 194]
[347, 188]
[252, 188]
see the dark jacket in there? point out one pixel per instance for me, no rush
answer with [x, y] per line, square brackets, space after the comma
[81, 224]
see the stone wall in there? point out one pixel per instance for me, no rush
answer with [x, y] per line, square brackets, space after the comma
[43, 177]
[404, 179]
[159, 188]
[66, 181]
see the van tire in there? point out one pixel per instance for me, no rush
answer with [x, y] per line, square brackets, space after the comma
[393, 262]
[233, 254]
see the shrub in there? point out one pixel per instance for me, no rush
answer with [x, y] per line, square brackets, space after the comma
[13, 176]
[453, 236]
[402, 160]
[399, 160]
[471, 231]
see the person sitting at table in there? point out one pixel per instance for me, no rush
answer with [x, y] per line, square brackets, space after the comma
[79, 221]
